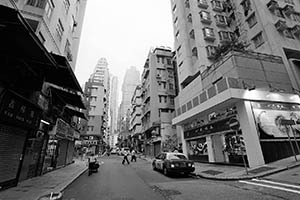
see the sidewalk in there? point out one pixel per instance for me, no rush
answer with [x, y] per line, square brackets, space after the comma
[54, 181]
[225, 172]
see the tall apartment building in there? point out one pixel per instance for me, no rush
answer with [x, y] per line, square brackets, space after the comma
[131, 80]
[97, 98]
[57, 23]
[158, 93]
[135, 121]
[113, 111]
[267, 61]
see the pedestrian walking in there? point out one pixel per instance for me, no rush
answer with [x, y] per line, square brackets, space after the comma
[133, 156]
[125, 158]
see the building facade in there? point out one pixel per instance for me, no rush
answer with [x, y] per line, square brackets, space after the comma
[97, 98]
[135, 128]
[113, 111]
[158, 93]
[57, 23]
[131, 80]
[217, 84]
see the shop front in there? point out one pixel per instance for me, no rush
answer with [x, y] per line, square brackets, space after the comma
[216, 142]
[277, 140]
[19, 118]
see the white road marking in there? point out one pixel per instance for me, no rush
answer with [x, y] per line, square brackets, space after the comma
[270, 186]
[277, 183]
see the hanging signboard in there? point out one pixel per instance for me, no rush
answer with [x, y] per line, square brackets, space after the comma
[19, 111]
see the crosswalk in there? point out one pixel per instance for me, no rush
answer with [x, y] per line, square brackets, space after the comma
[273, 185]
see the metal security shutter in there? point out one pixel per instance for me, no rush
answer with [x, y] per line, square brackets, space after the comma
[11, 146]
[70, 153]
[62, 153]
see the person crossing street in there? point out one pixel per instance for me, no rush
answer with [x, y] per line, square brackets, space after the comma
[125, 158]
[133, 156]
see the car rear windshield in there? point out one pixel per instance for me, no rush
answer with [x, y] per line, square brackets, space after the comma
[177, 157]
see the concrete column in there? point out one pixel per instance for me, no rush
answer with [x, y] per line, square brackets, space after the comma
[184, 142]
[210, 149]
[249, 132]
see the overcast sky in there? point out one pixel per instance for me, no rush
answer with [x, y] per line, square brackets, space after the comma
[122, 31]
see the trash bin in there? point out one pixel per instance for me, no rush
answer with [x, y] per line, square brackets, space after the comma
[52, 196]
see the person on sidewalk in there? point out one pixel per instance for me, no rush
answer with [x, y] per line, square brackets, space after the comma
[133, 156]
[125, 158]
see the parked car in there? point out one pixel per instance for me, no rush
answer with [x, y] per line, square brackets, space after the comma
[171, 162]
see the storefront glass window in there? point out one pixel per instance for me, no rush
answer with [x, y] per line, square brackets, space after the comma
[198, 149]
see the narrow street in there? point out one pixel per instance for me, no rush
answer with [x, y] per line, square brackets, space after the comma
[138, 181]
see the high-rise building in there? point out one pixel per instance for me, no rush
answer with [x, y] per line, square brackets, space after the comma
[113, 110]
[97, 98]
[158, 93]
[57, 23]
[235, 46]
[135, 121]
[131, 80]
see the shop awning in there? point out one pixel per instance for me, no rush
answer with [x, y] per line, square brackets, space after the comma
[73, 112]
[67, 97]
[63, 74]
[19, 42]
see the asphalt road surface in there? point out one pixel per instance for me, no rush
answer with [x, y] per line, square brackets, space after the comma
[138, 181]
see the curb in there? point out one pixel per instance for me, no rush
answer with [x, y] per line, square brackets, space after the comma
[73, 179]
[247, 177]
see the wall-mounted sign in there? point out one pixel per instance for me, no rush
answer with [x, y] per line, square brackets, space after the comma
[19, 111]
[62, 128]
[214, 127]
[269, 117]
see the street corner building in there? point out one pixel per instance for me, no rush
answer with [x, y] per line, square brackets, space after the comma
[40, 104]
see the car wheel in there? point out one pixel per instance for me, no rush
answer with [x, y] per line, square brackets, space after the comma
[165, 171]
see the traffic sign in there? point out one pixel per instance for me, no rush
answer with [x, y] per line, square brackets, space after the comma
[234, 124]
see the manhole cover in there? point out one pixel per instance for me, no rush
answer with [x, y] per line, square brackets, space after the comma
[260, 169]
[212, 172]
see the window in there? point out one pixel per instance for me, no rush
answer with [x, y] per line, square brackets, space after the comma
[279, 13]
[177, 35]
[205, 16]
[169, 61]
[220, 20]
[36, 3]
[217, 5]
[189, 18]
[252, 20]
[258, 40]
[192, 34]
[208, 32]
[67, 5]
[224, 36]
[295, 17]
[174, 8]
[195, 52]
[180, 64]
[287, 33]
[202, 4]
[289, 1]
[176, 21]
[211, 51]
[187, 4]
[49, 8]
[171, 86]
[59, 30]
[41, 37]
[178, 49]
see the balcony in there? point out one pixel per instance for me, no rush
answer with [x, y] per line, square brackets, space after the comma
[202, 4]
[205, 17]
[296, 30]
[221, 21]
[217, 6]
[209, 34]
[288, 10]
[280, 25]
[272, 5]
